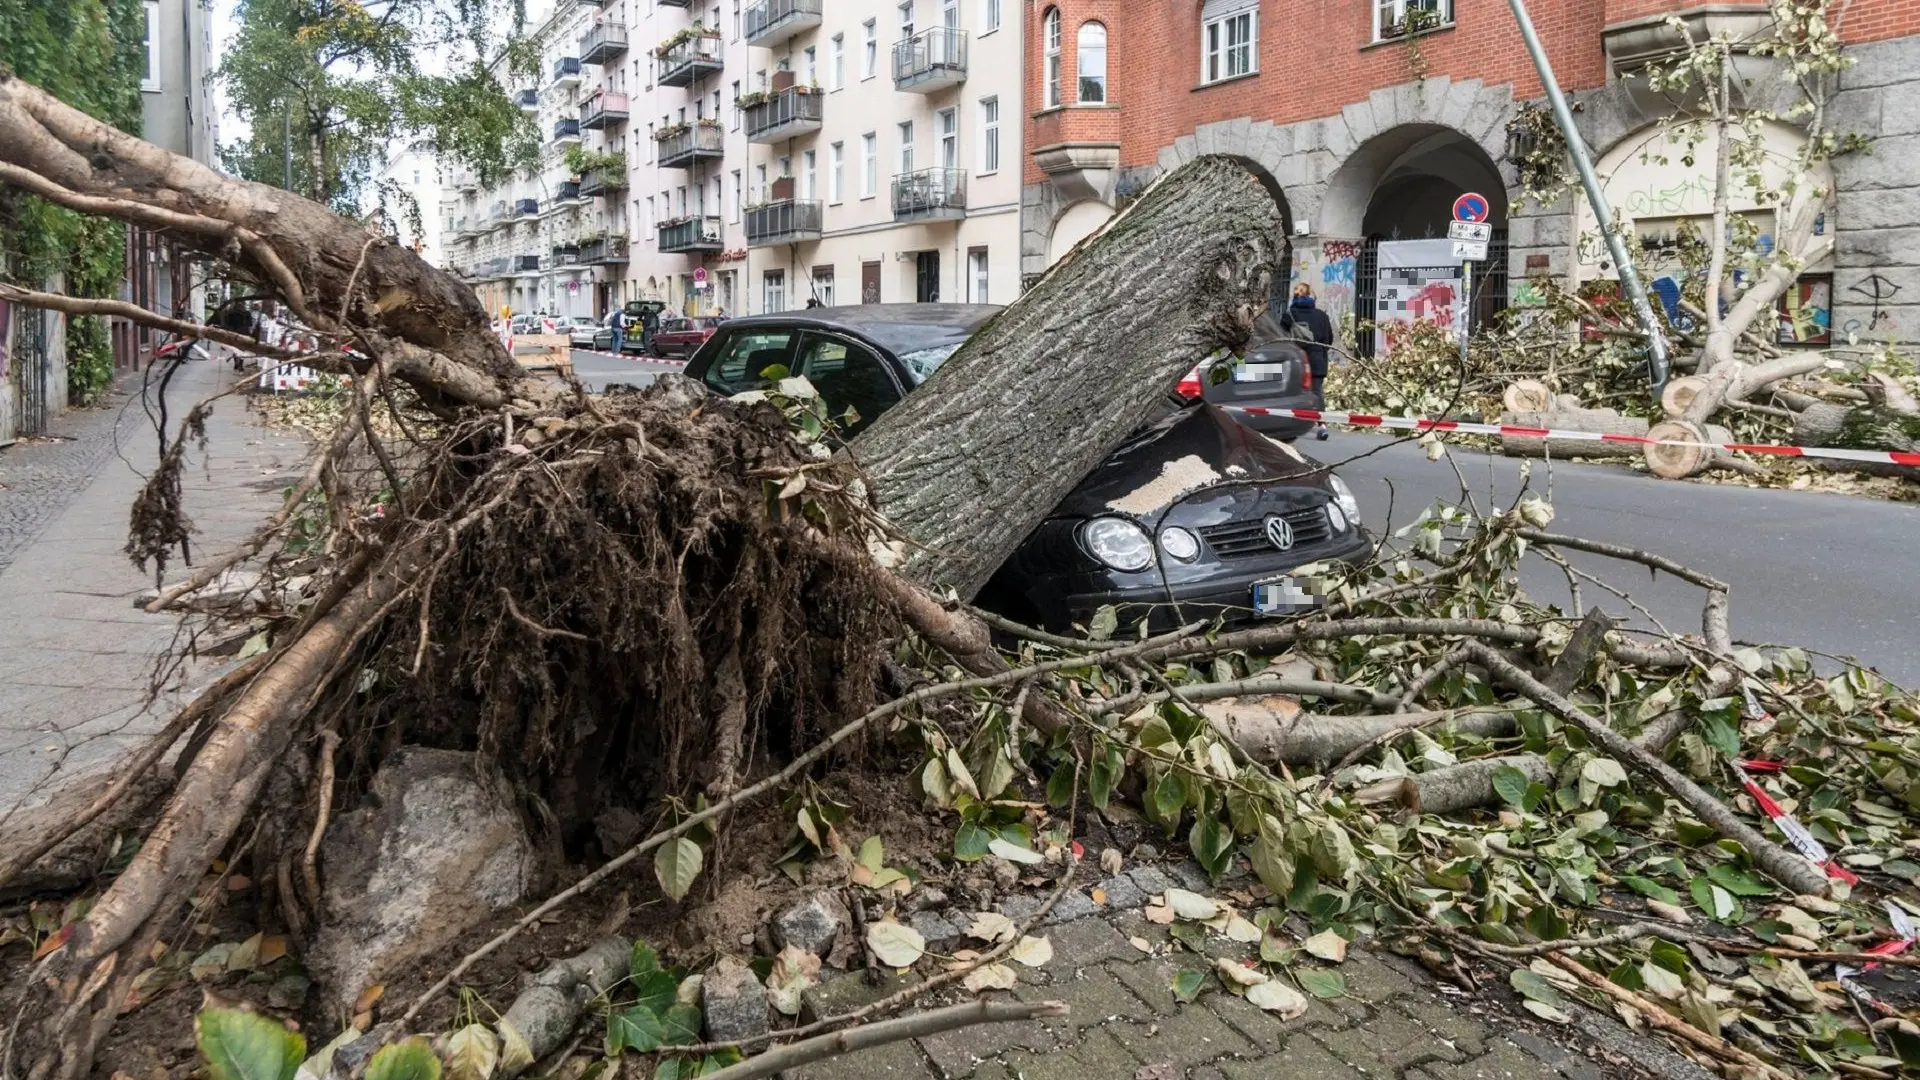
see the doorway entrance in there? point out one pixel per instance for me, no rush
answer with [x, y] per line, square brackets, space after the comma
[870, 283]
[926, 277]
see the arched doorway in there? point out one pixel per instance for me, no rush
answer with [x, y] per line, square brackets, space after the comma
[1395, 193]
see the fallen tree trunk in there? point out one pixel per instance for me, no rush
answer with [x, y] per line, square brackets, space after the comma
[1601, 421]
[1274, 730]
[1045, 391]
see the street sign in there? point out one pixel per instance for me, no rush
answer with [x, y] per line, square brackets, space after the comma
[700, 277]
[1470, 230]
[1470, 250]
[1472, 206]
[573, 288]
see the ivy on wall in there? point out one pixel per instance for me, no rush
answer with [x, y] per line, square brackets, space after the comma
[91, 55]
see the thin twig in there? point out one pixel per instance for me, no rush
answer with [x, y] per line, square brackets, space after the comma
[329, 742]
[544, 631]
[1661, 1019]
[887, 1031]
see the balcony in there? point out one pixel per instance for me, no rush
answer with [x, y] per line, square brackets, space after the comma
[675, 3]
[602, 110]
[565, 132]
[790, 221]
[930, 60]
[772, 22]
[526, 265]
[528, 100]
[566, 72]
[566, 194]
[930, 195]
[600, 182]
[689, 59]
[463, 229]
[526, 208]
[595, 4]
[783, 114]
[682, 146]
[494, 268]
[606, 41]
[567, 254]
[604, 251]
[690, 234]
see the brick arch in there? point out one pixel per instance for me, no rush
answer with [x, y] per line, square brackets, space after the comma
[1399, 157]
[1376, 135]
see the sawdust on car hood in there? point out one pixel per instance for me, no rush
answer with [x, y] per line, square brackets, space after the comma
[1191, 450]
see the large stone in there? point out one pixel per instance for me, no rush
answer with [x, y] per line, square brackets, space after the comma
[733, 1002]
[435, 850]
[814, 924]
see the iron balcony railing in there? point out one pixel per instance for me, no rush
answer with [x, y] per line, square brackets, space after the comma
[525, 263]
[930, 193]
[566, 70]
[694, 58]
[675, 3]
[606, 249]
[791, 221]
[602, 109]
[930, 60]
[604, 42]
[700, 142]
[566, 254]
[526, 208]
[566, 129]
[790, 112]
[567, 192]
[599, 183]
[771, 22]
[701, 233]
[527, 99]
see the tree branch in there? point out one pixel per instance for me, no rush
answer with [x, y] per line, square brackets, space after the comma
[76, 305]
[887, 1031]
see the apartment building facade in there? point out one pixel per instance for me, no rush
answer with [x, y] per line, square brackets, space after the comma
[745, 156]
[1367, 120]
[409, 194]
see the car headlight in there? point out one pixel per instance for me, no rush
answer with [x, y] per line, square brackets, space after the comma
[1336, 517]
[1343, 498]
[1179, 543]
[1118, 543]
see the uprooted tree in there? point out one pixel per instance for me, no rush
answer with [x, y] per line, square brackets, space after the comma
[657, 596]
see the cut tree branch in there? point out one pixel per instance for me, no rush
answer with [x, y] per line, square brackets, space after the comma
[900, 1029]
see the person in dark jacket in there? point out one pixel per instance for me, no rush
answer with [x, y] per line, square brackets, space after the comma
[1314, 330]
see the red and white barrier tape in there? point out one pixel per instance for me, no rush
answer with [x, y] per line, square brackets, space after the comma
[636, 359]
[1797, 835]
[1903, 939]
[1407, 423]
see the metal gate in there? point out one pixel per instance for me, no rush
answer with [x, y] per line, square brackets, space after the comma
[24, 361]
[1488, 297]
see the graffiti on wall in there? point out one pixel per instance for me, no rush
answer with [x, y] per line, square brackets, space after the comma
[1875, 290]
[1805, 312]
[1337, 273]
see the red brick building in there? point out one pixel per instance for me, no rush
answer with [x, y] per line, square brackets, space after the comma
[1367, 132]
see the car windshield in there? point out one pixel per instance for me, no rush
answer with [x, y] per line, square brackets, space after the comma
[922, 363]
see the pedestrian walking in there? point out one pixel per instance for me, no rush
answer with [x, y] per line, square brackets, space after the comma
[618, 322]
[1314, 331]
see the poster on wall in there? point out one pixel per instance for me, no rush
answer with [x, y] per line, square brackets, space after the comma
[1806, 312]
[1419, 281]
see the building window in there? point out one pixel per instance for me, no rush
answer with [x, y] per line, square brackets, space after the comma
[150, 79]
[1228, 46]
[736, 20]
[735, 102]
[906, 20]
[977, 276]
[759, 183]
[1396, 18]
[738, 200]
[989, 16]
[1050, 33]
[809, 67]
[1090, 55]
[839, 61]
[906, 147]
[807, 162]
[773, 295]
[869, 165]
[823, 285]
[949, 138]
[870, 58]
[989, 135]
[836, 169]
[950, 14]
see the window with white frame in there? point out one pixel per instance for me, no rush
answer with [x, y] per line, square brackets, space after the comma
[977, 276]
[949, 138]
[734, 90]
[989, 16]
[759, 183]
[989, 135]
[738, 200]
[150, 78]
[870, 55]
[836, 172]
[1050, 40]
[808, 161]
[839, 71]
[736, 20]
[906, 19]
[1397, 18]
[950, 14]
[773, 294]
[1090, 55]
[869, 164]
[823, 285]
[1229, 45]
[809, 67]
[906, 147]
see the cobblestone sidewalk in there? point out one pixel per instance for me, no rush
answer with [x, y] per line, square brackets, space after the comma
[1125, 1024]
[75, 654]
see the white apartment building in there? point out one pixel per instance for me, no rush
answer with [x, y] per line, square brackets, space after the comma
[746, 156]
[409, 194]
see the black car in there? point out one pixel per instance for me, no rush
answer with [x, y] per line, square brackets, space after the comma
[1194, 516]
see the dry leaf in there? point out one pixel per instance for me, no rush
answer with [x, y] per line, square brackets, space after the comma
[1327, 945]
[365, 1001]
[895, 945]
[1239, 929]
[1234, 974]
[472, 1053]
[793, 971]
[1033, 951]
[1141, 943]
[991, 977]
[237, 882]
[1159, 914]
[1278, 998]
[1099, 896]
[1191, 905]
[991, 926]
[272, 947]
[1669, 912]
[1111, 860]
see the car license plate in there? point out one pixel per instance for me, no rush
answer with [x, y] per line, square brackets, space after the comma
[1260, 373]
[1278, 596]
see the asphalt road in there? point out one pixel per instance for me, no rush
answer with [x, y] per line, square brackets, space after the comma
[597, 369]
[1836, 573]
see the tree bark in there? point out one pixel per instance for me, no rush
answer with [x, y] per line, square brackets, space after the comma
[971, 462]
[1604, 422]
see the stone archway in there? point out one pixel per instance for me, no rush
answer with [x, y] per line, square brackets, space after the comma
[1074, 224]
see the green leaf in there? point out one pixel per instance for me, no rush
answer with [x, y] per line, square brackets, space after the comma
[642, 961]
[1212, 843]
[1668, 955]
[1738, 882]
[1167, 798]
[1717, 902]
[1511, 785]
[872, 854]
[1534, 987]
[412, 1059]
[636, 1029]
[1272, 862]
[718, 1060]
[677, 863]
[1060, 786]
[1546, 924]
[655, 991]
[680, 1025]
[1604, 772]
[1719, 731]
[1192, 935]
[247, 1046]
[970, 842]
[254, 646]
[1104, 776]
[1103, 624]
[1333, 852]
[1187, 984]
[1322, 983]
[1650, 889]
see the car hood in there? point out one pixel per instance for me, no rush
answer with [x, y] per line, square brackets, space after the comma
[1194, 449]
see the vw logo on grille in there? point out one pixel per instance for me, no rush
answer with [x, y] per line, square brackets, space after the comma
[1279, 533]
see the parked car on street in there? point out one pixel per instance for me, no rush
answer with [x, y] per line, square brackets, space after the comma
[1273, 375]
[1249, 510]
[677, 338]
[583, 332]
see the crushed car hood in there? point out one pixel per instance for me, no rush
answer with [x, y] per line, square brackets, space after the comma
[1190, 450]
